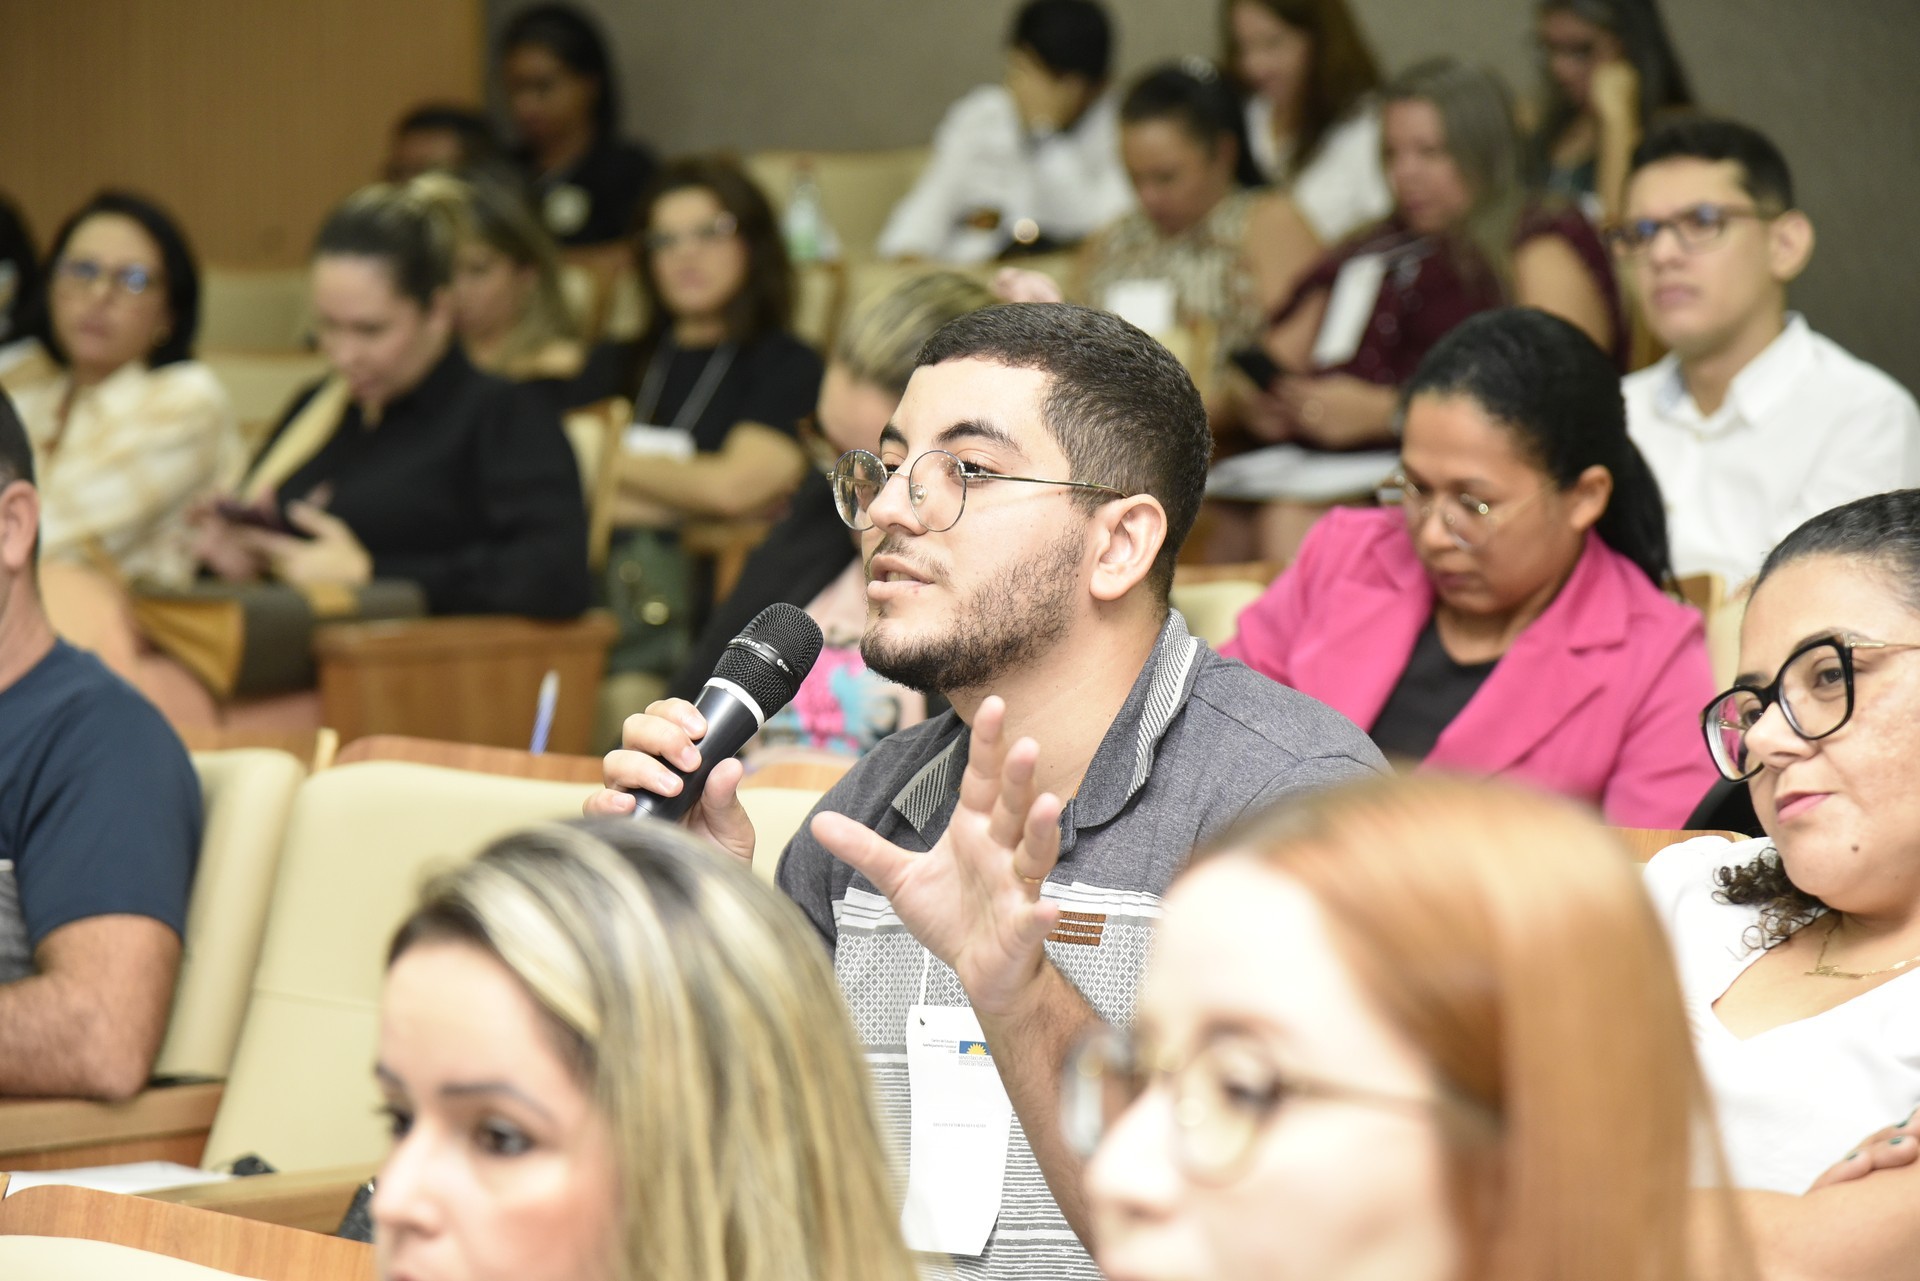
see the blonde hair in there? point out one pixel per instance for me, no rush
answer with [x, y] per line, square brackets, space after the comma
[1476, 114]
[1509, 937]
[879, 342]
[699, 1009]
[498, 218]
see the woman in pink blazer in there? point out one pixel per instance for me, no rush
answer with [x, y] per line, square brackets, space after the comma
[1506, 617]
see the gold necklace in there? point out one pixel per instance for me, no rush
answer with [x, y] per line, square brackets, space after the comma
[1821, 970]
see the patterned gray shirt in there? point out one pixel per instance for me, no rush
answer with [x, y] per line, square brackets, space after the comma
[1201, 742]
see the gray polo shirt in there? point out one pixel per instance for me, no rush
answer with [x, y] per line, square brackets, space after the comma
[1201, 742]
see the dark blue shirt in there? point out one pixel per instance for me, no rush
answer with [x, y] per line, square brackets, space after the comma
[99, 806]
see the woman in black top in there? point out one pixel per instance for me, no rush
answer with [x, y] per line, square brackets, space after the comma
[586, 179]
[407, 462]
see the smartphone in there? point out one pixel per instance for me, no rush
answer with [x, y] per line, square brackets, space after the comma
[1257, 365]
[235, 512]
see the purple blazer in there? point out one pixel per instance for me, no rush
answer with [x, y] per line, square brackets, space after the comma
[1598, 699]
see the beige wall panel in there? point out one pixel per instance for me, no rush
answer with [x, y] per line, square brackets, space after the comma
[1835, 82]
[248, 118]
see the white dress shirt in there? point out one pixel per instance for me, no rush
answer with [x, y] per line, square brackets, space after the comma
[984, 161]
[1805, 427]
[1344, 187]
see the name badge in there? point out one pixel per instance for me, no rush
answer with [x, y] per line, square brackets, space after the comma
[1349, 308]
[962, 1123]
[657, 442]
[1149, 305]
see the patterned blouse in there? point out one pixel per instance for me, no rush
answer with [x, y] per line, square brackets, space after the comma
[1210, 277]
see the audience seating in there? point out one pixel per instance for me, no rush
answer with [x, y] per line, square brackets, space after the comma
[248, 795]
[1723, 614]
[78, 1234]
[1645, 842]
[505, 761]
[361, 839]
[262, 385]
[315, 748]
[255, 310]
[858, 189]
[1212, 596]
[162, 1124]
[466, 679]
[594, 432]
[778, 797]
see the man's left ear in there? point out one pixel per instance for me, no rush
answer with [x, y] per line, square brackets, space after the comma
[1130, 533]
[1789, 245]
[1588, 498]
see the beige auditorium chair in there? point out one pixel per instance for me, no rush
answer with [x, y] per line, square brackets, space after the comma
[247, 795]
[362, 839]
[262, 385]
[268, 310]
[1211, 597]
[858, 189]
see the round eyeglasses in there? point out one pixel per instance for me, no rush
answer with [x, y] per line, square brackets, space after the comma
[936, 487]
[1470, 522]
[1813, 688]
[1224, 1095]
[83, 275]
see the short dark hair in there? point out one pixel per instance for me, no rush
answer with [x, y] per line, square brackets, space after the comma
[176, 262]
[1195, 96]
[765, 301]
[572, 37]
[1071, 37]
[16, 452]
[1122, 409]
[479, 143]
[1545, 381]
[1763, 170]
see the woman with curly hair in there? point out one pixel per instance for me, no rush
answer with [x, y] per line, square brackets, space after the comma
[1798, 951]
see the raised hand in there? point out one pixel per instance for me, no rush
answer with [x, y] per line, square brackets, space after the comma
[974, 899]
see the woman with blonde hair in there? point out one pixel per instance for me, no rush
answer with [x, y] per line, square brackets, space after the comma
[1441, 1040]
[508, 304]
[609, 1052]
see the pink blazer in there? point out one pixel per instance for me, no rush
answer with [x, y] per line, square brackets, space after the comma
[1598, 699]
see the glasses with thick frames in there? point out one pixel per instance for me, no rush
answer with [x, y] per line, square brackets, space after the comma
[84, 274]
[936, 487]
[1695, 228]
[1470, 522]
[1224, 1095]
[1814, 691]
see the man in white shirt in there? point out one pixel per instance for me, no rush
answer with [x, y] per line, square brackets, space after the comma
[1034, 159]
[1753, 423]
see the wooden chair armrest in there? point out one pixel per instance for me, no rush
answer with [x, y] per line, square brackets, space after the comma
[460, 637]
[315, 1200]
[161, 1123]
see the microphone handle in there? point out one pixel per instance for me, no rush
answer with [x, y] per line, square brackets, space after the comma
[732, 720]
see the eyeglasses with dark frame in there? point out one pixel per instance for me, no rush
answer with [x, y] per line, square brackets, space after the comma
[1815, 692]
[936, 487]
[1225, 1094]
[1695, 227]
[1470, 522]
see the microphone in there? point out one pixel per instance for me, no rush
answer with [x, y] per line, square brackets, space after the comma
[758, 674]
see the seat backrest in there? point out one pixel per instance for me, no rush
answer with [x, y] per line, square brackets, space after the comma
[54, 1233]
[777, 813]
[1645, 842]
[594, 432]
[1212, 609]
[477, 758]
[362, 839]
[247, 795]
[858, 189]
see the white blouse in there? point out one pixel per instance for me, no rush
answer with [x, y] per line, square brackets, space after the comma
[1794, 1099]
[1344, 188]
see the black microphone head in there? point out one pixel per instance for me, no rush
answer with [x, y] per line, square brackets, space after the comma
[772, 656]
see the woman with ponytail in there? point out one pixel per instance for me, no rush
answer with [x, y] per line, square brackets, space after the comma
[406, 462]
[1509, 617]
